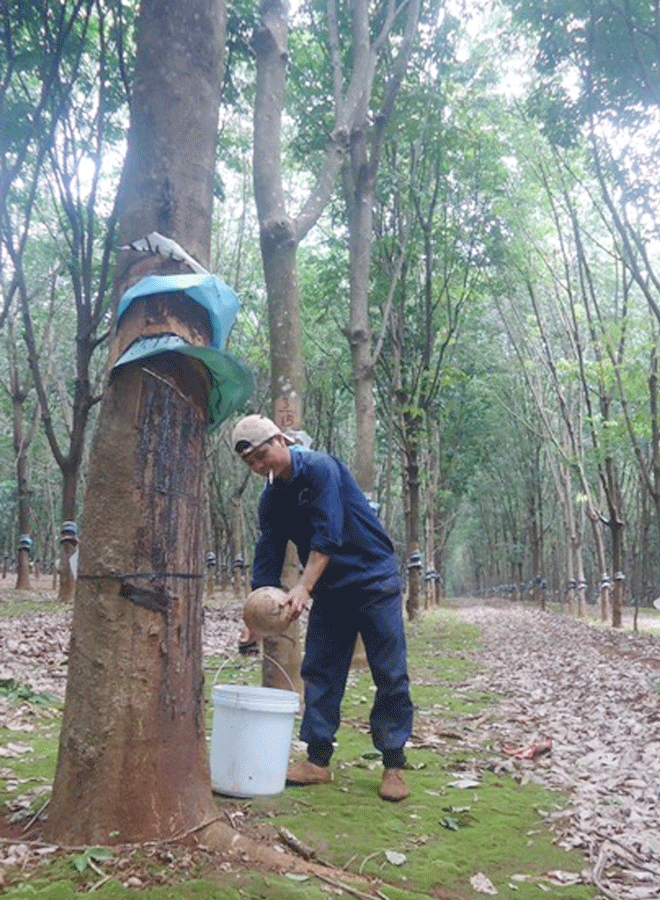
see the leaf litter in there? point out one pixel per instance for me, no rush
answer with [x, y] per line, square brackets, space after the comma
[588, 695]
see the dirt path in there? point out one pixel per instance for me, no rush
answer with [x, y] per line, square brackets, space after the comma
[596, 693]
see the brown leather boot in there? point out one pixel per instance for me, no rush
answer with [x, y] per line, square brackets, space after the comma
[306, 772]
[392, 786]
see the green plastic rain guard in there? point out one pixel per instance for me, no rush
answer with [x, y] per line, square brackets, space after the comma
[232, 382]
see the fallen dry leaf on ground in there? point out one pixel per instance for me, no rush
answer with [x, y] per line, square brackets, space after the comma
[482, 884]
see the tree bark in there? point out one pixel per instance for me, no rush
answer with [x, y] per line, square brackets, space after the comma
[167, 179]
[67, 582]
[432, 592]
[360, 224]
[238, 542]
[279, 244]
[23, 490]
[414, 557]
[133, 760]
[23, 434]
[359, 178]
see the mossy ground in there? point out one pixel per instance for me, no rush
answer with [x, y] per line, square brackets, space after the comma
[429, 846]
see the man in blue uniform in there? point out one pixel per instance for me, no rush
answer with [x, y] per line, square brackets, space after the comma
[350, 584]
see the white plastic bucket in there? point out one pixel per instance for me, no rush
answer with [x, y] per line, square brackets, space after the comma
[251, 739]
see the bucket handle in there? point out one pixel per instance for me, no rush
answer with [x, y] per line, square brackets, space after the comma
[265, 656]
[282, 670]
[222, 665]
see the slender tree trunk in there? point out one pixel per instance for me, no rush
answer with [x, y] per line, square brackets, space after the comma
[279, 245]
[23, 582]
[581, 587]
[414, 556]
[360, 216]
[605, 583]
[67, 585]
[389, 465]
[211, 580]
[571, 544]
[22, 439]
[619, 577]
[366, 139]
[51, 522]
[396, 394]
[238, 541]
[277, 229]
[23, 491]
[654, 477]
[430, 579]
[535, 550]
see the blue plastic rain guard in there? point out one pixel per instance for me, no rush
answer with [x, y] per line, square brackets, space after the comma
[232, 382]
[208, 291]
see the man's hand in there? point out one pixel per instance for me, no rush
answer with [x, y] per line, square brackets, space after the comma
[297, 600]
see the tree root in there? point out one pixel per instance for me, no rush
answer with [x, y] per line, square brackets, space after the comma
[219, 837]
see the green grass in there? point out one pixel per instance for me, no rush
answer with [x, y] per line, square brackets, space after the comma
[37, 600]
[443, 835]
[446, 834]
[32, 770]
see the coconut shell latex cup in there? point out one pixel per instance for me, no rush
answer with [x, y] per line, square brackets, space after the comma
[264, 612]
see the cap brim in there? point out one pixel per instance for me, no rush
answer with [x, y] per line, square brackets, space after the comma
[252, 448]
[232, 382]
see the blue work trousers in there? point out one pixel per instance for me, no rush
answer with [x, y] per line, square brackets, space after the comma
[335, 620]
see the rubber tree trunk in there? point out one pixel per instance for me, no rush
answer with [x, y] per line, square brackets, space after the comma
[238, 558]
[431, 466]
[535, 538]
[67, 584]
[616, 529]
[414, 556]
[279, 244]
[132, 761]
[360, 216]
[23, 491]
[23, 582]
[573, 542]
[599, 548]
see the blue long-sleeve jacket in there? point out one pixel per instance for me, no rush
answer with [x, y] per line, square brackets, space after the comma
[322, 508]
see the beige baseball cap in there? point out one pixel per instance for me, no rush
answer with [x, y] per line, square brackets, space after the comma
[253, 431]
